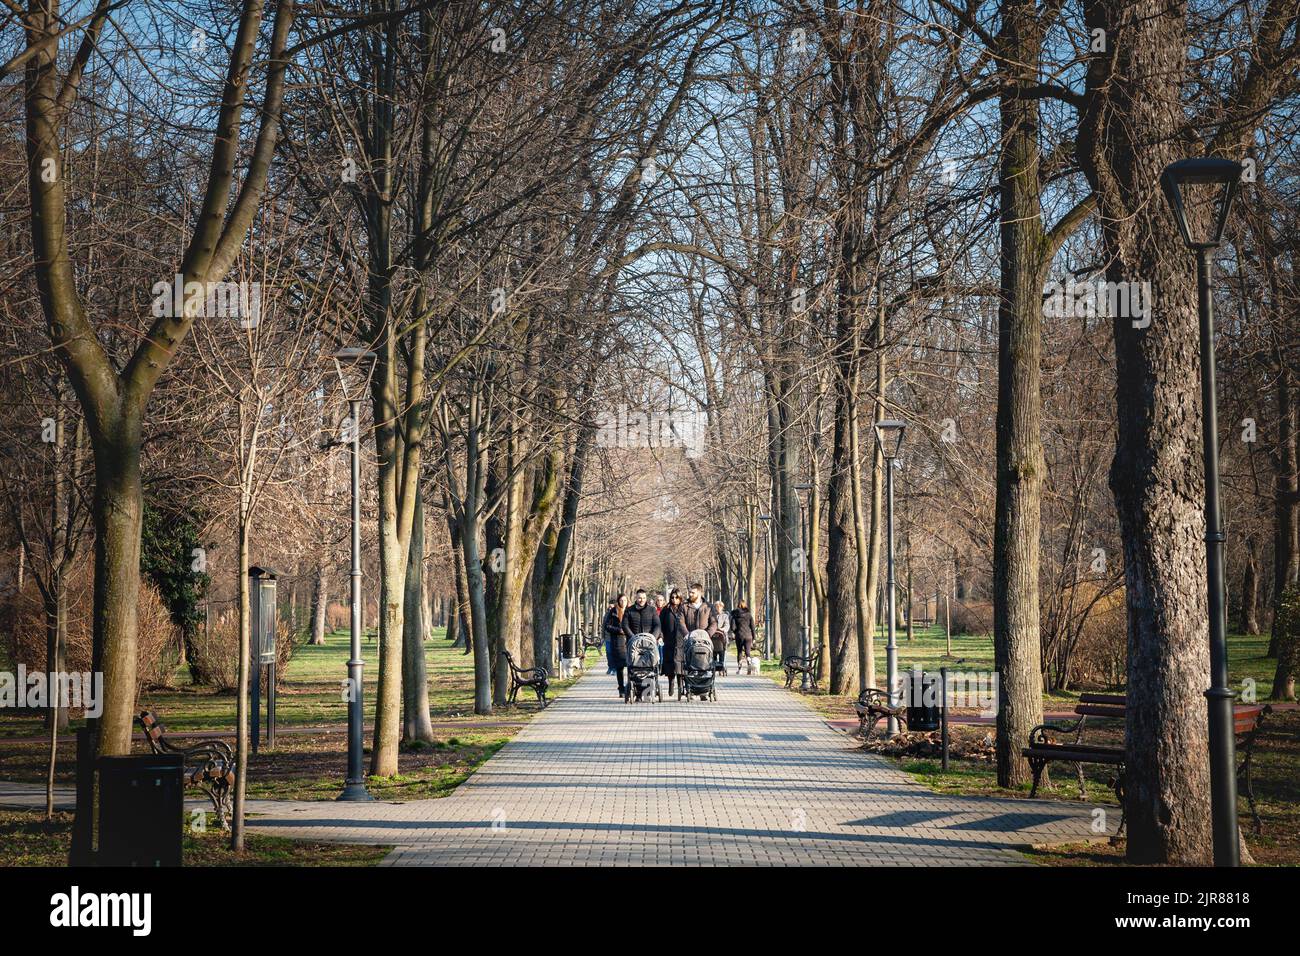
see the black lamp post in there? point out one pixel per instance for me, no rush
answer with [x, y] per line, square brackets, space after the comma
[1216, 183]
[767, 586]
[805, 606]
[358, 362]
[889, 436]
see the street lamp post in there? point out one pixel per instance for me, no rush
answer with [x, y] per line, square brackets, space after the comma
[805, 622]
[767, 586]
[354, 787]
[1221, 175]
[889, 436]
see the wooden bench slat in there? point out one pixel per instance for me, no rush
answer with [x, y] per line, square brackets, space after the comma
[1102, 699]
[1076, 755]
[1099, 710]
[1055, 748]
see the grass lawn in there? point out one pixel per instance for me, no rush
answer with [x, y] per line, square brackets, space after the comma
[310, 764]
[1276, 765]
[26, 839]
[311, 693]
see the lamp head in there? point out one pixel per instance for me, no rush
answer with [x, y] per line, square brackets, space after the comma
[889, 436]
[1203, 188]
[357, 362]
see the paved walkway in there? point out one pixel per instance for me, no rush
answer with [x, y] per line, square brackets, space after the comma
[756, 778]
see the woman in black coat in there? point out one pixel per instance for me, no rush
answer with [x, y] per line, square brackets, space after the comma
[673, 630]
[742, 632]
[616, 640]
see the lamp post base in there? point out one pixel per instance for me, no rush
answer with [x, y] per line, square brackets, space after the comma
[354, 791]
[891, 678]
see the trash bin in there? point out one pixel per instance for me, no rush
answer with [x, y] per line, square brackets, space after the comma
[141, 810]
[923, 711]
[567, 646]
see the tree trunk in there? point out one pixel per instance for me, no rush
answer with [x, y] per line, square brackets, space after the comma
[842, 556]
[416, 724]
[505, 585]
[458, 625]
[818, 629]
[865, 633]
[242, 684]
[786, 518]
[870, 588]
[477, 605]
[1250, 590]
[320, 605]
[1286, 502]
[56, 665]
[554, 559]
[388, 696]
[1131, 129]
[118, 507]
[1020, 463]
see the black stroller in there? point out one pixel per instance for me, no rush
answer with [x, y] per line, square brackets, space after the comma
[642, 669]
[697, 677]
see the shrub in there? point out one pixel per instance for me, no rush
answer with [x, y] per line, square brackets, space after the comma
[337, 616]
[1101, 654]
[158, 641]
[971, 617]
[216, 650]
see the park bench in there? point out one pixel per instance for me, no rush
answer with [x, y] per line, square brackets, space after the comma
[1044, 748]
[793, 664]
[1247, 722]
[209, 764]
[592, 641]
[520, 677]
[872, 706]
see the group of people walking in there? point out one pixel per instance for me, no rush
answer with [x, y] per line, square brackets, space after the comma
[670, 619]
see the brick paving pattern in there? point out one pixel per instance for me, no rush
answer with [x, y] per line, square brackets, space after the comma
[756, 778]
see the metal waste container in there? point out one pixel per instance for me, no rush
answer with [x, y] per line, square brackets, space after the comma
[141, 810]
[923, 704]
[568, 646]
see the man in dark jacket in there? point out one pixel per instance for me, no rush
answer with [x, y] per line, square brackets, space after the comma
[699, 613]
[641, 617]
[742, 631]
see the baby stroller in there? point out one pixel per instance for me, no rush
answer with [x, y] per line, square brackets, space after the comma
[697, 677]
[642, 669]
